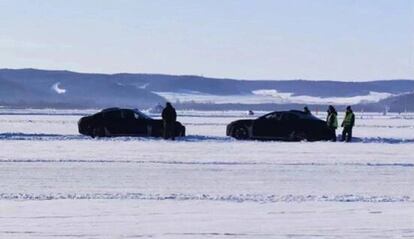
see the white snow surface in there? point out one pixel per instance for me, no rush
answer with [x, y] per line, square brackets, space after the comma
[291, 98]
[56, 88]
[266, 96]
[55, 183]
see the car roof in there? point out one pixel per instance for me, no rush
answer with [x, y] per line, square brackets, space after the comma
[110, 109]
[117, 108]
[134, 110]
[299, 113]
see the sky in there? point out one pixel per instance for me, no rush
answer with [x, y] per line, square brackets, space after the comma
[347, 40]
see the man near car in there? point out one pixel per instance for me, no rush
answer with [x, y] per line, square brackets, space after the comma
[306, 110]
[348, 124]
[332, 122]
[169, 117]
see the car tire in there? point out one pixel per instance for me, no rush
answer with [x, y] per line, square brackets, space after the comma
[240, 132]
[98, 132]
[297, 136]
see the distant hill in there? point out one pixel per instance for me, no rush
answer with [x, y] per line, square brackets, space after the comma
[400, 103]
[65, 89]
[170, 83]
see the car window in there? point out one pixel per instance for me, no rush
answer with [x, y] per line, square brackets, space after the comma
[274, 116]
[112, 115]
[139, 115]
[127, 114]
[289, 117]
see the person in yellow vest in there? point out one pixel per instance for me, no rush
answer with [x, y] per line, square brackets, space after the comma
[332, 122]
[348, 124]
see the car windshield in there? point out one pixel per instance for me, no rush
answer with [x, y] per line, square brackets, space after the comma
[140, 114]
[311, 117]
[289, 115]
[304, 115]
[272, 116]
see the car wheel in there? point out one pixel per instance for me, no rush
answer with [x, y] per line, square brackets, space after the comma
[98, 132]
[240, 133]
[297, 136]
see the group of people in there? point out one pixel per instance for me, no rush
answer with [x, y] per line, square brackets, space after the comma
[332, 122]
[347, 124]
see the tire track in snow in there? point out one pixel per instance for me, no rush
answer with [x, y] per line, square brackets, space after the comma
[238, 198]
[219, 163]
[189, 138]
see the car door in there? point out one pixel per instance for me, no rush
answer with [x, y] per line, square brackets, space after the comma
[127, 127]
[137, 124]
[268, 126]
[113, 122]
[289, 124]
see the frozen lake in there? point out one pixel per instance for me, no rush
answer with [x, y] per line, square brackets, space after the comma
[55, 183]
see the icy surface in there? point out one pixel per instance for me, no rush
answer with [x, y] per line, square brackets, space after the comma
[55, 183]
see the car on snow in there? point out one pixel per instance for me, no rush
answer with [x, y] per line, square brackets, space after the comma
[290, 125]
[124, 122]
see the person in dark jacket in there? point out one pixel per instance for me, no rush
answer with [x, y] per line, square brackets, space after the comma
[348, 124]
[332, 122]
[169, 117]
[306, 110]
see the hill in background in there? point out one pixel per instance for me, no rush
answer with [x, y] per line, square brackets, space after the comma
[64, 89]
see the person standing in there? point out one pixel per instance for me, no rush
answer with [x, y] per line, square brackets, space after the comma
[348, 124]
[169, 117]
[306, 110]
[332, 122]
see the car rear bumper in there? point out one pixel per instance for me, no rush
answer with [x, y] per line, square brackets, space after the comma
[228, 130]
[83, 127]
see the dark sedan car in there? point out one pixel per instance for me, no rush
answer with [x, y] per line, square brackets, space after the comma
[123, 122]
[284, 125]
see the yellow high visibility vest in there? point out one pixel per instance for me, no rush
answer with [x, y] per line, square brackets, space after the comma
[348, 120]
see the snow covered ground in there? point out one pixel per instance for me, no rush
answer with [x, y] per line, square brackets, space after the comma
[266, 96]
[55, 183]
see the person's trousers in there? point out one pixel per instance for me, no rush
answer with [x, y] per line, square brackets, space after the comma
[333, 134]
[169, 131]
[347, 134]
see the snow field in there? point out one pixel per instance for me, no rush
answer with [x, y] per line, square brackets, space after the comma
[55, 183]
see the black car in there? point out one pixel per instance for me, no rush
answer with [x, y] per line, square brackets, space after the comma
[291, 125]
[123, 122]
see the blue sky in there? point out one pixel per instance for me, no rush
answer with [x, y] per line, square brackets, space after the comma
[266, 39]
